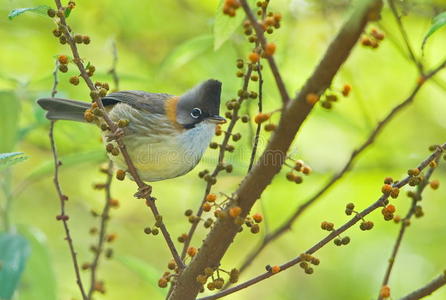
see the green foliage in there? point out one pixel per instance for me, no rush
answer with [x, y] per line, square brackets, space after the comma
[437, 22]
[38, 280]
[9, 159]
[144, 270]
[186, 52]
[225, 26]
[14, 251]
[9, 117]
[40, 10]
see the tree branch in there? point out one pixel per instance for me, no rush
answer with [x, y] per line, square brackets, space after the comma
[427, 289]
[270, 162]
[335, 233]
[286, 225]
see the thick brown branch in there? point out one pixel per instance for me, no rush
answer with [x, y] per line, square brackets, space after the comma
[379, 203]
[270, 162]
[427, 289]
[113, 127]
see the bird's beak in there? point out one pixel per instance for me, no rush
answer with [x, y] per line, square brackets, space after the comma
[216, 119]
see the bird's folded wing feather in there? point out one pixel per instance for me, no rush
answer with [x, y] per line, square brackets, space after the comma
[151, 102]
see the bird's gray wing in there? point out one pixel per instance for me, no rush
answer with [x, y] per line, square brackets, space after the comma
[151, 102]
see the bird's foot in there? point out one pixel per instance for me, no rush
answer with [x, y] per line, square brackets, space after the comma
[119, 133]
[143, 192]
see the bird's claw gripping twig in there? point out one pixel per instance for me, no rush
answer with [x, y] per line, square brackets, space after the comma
[143, 192]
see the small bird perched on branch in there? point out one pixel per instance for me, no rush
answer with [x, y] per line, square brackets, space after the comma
[166, 135]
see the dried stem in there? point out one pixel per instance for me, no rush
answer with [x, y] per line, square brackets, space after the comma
[261, 175]
[272, 63]
[114, 129]
[286, 225]
[428, 289]
[405, 223]
[62, 197]
[335, 233]
[105, 216]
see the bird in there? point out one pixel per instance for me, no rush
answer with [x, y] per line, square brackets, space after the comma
[166, 135]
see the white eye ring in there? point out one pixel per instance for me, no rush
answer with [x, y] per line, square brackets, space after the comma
[196, 113]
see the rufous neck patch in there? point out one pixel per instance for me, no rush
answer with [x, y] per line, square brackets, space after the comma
[170, 106]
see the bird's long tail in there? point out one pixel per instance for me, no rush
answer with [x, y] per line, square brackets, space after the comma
[63, 109]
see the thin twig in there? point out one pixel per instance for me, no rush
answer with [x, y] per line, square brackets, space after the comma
[114, 129]
[113, 71]
[272, 63]
[404, 223]
[286, 225]
[62, 197]
[405, 36]
[105, 216]
[428, 289]
[335, 233]
[259, 126]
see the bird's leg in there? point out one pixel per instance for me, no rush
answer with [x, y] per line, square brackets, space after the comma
[144, 192]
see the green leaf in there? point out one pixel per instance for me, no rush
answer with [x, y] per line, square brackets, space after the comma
[38, 280]
[437, 22]
[144, 270]
[14, 251]
[9, 159]
[67, 12]
[41, 10]
[225, 26]
[186, 52]
[9, 118]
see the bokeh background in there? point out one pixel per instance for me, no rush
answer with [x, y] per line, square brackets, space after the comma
[168, 46]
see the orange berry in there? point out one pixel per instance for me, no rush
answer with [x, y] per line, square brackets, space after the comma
[207, 207]
[111, 237]
[312, 98]
[162, 283]
[390, 208]
[270, 49]
[120, 174]
[211, 198]
[434, 184]
[257, 218]
[254, 57]
[275, 269]
[235, 211]
[261, 117]
[306, 170]
[191, 251]
[63, 59]
[346, 90]
[385, 291]
[386, 189]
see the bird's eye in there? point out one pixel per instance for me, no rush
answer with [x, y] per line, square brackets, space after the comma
[196, 113]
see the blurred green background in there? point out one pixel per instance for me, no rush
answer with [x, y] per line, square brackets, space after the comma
[168, 46]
